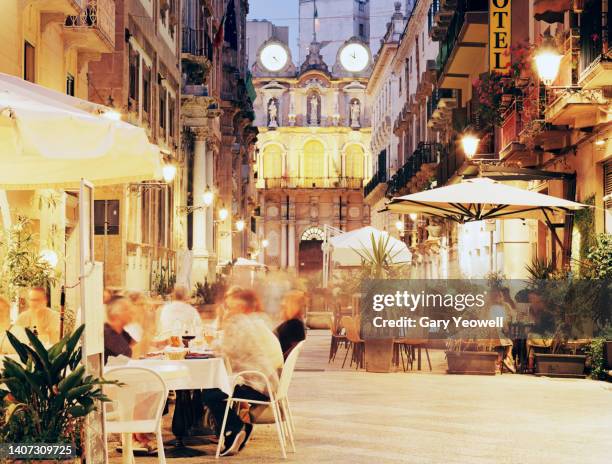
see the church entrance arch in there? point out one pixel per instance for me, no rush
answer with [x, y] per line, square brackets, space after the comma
[310, 252]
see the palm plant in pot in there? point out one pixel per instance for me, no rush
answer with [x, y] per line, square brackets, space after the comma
[46, 394]
[379, 261]
[472, 351]
[577, 308]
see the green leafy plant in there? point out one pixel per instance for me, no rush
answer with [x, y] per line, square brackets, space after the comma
[163, 281]
[380, 262]
[45, 397]
[22, 265]
[595, 351]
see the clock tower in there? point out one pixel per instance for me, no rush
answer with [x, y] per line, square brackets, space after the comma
[313, 150]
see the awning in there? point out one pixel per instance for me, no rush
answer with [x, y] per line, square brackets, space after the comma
[52, 140]
[344, 246]
[482, 198]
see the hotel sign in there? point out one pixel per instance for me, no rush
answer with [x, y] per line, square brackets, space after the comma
[500, 35]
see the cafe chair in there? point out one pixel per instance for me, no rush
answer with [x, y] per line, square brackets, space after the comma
[278, 402]
[136, 406]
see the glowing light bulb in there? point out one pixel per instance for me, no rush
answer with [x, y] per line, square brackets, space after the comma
[470, 145]
[240, 225]
[547, 62]
[50, 257]
[223, 213]
[169, 171]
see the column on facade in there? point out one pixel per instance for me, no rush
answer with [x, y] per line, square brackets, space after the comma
[261, 230]
[283, 243]
[291, 235]
[202, 236]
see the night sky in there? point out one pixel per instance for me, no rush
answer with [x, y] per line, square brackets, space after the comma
[280, 13]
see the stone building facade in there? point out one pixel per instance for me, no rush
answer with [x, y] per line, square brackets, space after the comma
[313, 152]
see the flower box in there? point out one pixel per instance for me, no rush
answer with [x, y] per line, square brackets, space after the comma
[471, 362]
[559, 365]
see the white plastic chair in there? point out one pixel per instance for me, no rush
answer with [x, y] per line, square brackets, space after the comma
[279, 403]
[136, 407]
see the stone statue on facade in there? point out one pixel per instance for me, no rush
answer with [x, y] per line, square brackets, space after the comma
[272, 113]
[314, 110]
[355, 110]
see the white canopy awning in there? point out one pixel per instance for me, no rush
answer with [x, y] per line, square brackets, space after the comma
[344, 246]
[52, 140]
[482, 198]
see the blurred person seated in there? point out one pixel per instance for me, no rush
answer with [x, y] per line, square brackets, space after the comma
[117, 342]
[40, 317]
[177, 316]
[247, 344]
[499, 307]
[143, 325]
[292, 330]
[544, 326]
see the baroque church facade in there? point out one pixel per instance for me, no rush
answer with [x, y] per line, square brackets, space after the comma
[313, 150]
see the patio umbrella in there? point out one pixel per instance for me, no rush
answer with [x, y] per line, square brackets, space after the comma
[344, 246]
[51, 140]
[244, 262]
[482, 198]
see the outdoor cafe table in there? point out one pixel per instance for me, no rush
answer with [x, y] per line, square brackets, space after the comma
[201, 374]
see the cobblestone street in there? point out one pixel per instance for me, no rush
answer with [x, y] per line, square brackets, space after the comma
[344, 416]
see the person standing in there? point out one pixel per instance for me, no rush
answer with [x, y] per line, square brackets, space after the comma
[40, 316]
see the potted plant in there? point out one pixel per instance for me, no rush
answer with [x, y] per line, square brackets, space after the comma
[470, 357]
[46, 395]
[379, 262]
[22, 265]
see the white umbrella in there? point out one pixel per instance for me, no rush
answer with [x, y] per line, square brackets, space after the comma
[344, 246]
[244, 262]
[482, 198]
[51, 140]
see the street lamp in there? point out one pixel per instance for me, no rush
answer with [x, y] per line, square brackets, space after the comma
[168, 172]
[208, 197]
[240, 225]
[223, 213]
[112, 115]
[469, 143]
[547, 61]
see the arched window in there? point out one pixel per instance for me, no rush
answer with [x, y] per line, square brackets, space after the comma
[314, 160]
[354, 162]
[312, 233]
[272, 162]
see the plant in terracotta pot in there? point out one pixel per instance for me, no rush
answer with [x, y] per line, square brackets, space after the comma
[46, 394]
[380, 261]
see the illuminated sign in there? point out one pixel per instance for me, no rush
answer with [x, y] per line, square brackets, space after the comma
[500, 35]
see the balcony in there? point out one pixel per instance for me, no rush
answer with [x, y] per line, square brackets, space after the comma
[350, 183]
[440, 108]
[510, 145]
[451, 161]
[578, 109]
[378, 180]
[93, 29]
[417, 171]
[595, 64]
[463, 46]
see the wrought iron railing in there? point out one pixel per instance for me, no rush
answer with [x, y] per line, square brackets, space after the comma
[512, 125]
[451, 159]
[354, 183]
[378, 178]
[448, 43]
[98, 15]
[197, 42]
[426, 153]
[595, 34]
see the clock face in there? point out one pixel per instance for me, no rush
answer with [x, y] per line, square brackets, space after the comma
[273, 57]
[354, 57]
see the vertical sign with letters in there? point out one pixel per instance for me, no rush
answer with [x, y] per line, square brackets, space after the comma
[500, 35]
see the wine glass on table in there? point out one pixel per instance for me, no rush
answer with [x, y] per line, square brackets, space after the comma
[188, 334]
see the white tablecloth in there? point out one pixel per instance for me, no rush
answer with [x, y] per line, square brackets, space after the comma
[202, 373]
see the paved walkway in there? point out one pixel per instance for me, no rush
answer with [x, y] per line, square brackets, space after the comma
[344, 416]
